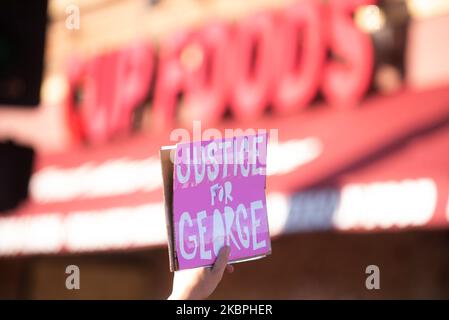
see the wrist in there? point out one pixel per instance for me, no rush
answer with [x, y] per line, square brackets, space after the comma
[185, 295]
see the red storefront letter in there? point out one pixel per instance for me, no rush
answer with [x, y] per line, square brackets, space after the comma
[132, 83]
[205, 94]
[300, 53]
[251, 72]
[170, 81]
[347, 78]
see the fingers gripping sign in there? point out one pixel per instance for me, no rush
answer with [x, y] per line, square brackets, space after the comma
[199, 283]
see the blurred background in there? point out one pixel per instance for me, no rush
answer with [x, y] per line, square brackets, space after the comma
[359, 175]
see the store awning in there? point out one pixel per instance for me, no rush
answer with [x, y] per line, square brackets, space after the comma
[382, 166]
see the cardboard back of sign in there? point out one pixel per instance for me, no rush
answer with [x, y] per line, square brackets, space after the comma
[167, 178]
[214, 196]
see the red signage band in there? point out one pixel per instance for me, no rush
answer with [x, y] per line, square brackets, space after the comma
[323, 174]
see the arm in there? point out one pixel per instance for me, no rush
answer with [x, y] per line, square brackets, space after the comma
[200, 283]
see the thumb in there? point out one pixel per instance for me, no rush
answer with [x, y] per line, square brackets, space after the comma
[222, 260]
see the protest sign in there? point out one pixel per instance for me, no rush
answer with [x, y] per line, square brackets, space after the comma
[215, 196]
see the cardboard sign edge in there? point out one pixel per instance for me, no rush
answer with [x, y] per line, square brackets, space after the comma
[167, 180]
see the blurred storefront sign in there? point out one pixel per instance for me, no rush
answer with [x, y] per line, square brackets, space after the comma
[276, 58]
[351, 162]
[373, 168]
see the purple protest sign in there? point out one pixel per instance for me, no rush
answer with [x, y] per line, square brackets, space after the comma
[219, 199]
